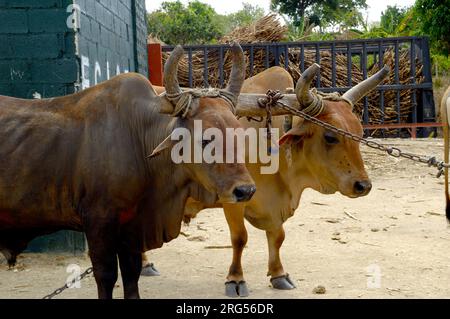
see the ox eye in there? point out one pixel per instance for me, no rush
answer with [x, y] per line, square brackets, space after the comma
[330, 138]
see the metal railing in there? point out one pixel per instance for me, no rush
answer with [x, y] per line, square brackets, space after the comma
[360, 51]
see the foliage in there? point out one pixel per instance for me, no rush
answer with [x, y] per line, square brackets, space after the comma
[322, 13]
[175, 23]
[301, 32]
[441, 64]
[391, 18]
[374, 32]
[426, 17]
[197, 23]
[246, 16]
[433, 17]
[341, 15]
[295, 9]
[409, 25]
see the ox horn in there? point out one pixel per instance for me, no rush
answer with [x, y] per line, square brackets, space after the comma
[360, 90]
[171, 71]
[304, 96]
[249, 103]
[237, 76]
[171, 80]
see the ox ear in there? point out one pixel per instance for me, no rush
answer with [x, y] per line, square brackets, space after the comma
[294, 135]
[167, 143]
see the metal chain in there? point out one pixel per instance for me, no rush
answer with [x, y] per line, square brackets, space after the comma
[392, 151]
[68, 285]
[268, 103]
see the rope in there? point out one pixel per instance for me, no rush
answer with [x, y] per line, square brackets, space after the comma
[183, 101]
[317, 106]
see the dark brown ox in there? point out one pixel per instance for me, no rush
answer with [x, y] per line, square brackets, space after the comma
[76, 162]
[310, 157]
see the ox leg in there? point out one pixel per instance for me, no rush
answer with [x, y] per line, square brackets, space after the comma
[130, 267]
[102, 241]
[279, 279]
[236, 285]
[148, 269]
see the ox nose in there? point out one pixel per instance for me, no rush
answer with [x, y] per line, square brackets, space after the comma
[362, 187]
[244, 193]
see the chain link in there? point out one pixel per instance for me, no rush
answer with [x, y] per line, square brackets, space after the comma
[392, 151]
[68, 285]
[270, 101]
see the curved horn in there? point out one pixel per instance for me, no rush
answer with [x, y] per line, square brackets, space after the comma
[237, 76]
[360, 90]
[305, 97]
[170, 71]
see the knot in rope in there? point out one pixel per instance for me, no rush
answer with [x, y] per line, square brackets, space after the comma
[183, 101]
[333, 96]
[317, 106]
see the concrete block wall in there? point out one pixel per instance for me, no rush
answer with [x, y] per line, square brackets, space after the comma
[107, 38]
[37, 49]
[141, 51]
[56, 47]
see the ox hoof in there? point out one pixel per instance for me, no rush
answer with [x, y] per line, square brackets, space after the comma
[235, 289]
[282, 282]
[149, 271]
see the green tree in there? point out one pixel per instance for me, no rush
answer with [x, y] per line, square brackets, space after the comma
[391, 18]
[294, 9]
[433, 17]
[246, 16]
[323, 13]
[341, 14]
[175, 23]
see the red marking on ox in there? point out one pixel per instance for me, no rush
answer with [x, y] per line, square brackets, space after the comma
[127, 215]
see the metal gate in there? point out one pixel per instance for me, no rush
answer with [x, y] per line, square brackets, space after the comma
[365, 54]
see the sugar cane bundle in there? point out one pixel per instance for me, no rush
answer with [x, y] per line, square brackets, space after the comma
[269, 29]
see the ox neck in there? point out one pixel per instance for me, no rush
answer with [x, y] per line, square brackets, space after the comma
[160, 171]
[290, 173]
[171, 172]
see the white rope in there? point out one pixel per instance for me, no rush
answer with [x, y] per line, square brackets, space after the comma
[183, 101]
[317, 106]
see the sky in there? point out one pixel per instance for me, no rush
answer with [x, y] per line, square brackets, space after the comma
[229, 6]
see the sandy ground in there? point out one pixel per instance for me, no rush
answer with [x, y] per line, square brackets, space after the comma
[393, 243]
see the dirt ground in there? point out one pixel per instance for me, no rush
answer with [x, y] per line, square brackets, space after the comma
[393, 243]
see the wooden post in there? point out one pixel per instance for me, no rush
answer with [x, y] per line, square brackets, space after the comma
[155, 67]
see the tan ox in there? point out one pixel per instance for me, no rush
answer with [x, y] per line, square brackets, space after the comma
[310, 157]
[445, 115]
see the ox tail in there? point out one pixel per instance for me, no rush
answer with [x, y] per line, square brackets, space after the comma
[445, 109]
